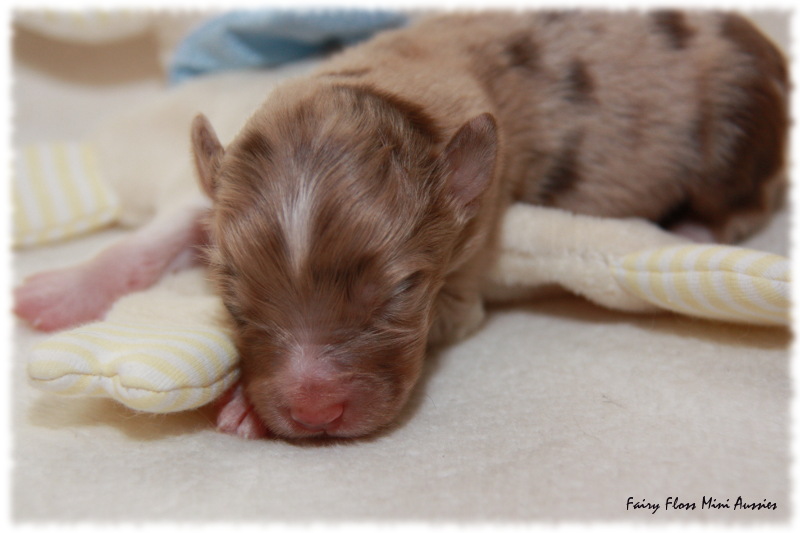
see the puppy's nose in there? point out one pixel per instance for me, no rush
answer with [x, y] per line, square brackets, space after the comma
[316, 417]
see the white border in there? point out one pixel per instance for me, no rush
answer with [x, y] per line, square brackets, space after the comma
[5, 116]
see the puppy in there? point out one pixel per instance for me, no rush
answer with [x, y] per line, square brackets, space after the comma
[355, 214]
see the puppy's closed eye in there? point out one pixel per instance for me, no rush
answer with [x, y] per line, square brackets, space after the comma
[409, 283]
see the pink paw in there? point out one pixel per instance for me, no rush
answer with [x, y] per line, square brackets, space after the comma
[237, 417]
[61, 298]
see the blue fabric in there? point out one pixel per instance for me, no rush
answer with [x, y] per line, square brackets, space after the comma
[268, 38]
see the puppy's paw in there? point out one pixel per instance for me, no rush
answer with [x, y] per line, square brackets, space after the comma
[237, 417]
[457, 322]
[470, 320]
[60, 299]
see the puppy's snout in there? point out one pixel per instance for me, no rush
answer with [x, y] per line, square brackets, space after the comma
[315, 392]
[317, 415]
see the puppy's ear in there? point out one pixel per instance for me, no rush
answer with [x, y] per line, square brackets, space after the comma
[470, 158]
[207, 153]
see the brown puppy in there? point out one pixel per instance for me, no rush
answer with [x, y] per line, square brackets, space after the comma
[354, 216]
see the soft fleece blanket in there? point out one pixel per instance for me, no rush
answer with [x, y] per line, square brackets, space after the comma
[555, 410]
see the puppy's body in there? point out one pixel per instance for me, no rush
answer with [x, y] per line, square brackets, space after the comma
[609, 114]
[354, 215]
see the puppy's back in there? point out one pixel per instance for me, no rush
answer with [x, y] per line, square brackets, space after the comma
[598, 109]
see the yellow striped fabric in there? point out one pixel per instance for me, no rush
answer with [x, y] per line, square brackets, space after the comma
[58, 193]
[145, 366]
[710, 281]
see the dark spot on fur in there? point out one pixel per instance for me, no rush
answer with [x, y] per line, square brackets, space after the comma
[254, 144]
[522, 52]
[752, 42]
[564, 172]
[517, 55]
[419, 120]
[672, 24]
[579, 82]
[548, 17]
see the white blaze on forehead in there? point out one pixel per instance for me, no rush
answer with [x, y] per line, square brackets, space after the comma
[296, 221]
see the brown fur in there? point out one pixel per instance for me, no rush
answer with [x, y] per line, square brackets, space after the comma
[675, 28]
[355, 213]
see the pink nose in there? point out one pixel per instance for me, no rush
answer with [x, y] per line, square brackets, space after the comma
[316, 417]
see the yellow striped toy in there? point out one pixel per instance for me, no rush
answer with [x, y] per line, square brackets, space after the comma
[58, 193]
[710, 281]
[145, 366]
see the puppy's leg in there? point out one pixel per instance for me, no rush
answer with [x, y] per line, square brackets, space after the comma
[744, 222]
[459, 319]
[459, 309]
[732, 223]
[84, 292]
[237, 417]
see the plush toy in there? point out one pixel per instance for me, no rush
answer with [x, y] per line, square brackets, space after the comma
[45, 172]
[170, 349]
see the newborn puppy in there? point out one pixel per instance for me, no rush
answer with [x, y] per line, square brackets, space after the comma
[355, 214]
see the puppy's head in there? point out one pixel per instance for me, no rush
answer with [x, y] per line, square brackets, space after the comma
[337, 217]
